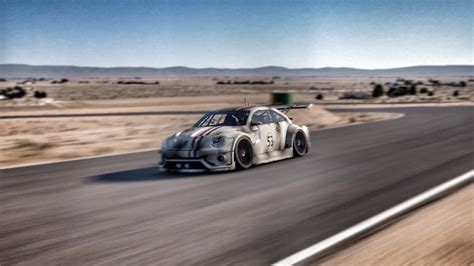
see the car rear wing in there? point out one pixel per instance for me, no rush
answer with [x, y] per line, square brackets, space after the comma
[287, 107]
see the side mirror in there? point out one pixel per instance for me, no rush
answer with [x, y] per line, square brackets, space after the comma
[256, 123]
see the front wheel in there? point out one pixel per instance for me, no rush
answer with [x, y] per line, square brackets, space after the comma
[300, 147]
[243, 154]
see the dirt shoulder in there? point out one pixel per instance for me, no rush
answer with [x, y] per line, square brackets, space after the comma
[441, 233]
[31, 140]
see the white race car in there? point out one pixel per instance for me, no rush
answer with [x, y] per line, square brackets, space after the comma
[235, 138]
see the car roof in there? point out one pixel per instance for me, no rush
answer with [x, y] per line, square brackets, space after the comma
[244, 108]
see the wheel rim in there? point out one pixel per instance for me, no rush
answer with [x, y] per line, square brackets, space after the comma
[244, 152]
[300, 143]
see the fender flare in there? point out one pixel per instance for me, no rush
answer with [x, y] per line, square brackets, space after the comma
[237, 139]
[291, 133]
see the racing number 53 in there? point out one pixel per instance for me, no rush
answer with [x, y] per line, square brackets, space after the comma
[270, 140]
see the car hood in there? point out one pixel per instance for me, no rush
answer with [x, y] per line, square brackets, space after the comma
[196, 137]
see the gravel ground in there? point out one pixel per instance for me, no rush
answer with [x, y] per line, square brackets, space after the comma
[441, 233]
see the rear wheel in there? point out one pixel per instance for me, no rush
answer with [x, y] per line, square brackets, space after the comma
[300, 146]
[243, 154]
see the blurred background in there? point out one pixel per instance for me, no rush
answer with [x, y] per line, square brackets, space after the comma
[87, 78]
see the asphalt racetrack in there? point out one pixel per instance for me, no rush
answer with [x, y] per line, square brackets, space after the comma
[120, 209]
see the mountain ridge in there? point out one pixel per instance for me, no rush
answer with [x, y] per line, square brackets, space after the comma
[55, 71]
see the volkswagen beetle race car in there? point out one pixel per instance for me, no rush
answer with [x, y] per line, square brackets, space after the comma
[235, 138]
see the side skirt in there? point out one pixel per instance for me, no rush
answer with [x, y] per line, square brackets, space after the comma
[274, 156]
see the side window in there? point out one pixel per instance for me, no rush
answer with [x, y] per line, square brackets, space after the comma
[267, 118]
[277, 117]
[261, 117]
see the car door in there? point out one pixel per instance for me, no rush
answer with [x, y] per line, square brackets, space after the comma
[279, 127]
[261, 124]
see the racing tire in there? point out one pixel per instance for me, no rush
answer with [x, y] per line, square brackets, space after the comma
[243, 154]
[300, 146]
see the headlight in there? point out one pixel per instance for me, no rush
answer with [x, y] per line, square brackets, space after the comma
[219, 141]
[169, 142]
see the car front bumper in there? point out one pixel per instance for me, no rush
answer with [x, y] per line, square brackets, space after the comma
[197, 160]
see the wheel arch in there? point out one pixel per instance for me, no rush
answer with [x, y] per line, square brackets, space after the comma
[291, 133]
[238, 138]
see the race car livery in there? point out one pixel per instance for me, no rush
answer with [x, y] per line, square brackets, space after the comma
[235, 138]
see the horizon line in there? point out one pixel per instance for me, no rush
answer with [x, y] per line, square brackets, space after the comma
[239, 68]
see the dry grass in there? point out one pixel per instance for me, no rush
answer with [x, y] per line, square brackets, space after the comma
[61, 138]
[31, 145]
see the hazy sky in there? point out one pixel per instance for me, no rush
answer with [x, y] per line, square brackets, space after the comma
[237, 33]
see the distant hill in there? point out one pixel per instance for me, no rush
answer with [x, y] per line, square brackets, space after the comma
[33, 71]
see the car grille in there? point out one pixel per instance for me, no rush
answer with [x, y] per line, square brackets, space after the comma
[184, 165]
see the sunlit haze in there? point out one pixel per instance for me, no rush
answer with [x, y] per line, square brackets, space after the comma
[233, 34]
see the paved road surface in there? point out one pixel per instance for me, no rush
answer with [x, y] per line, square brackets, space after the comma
[120, 210]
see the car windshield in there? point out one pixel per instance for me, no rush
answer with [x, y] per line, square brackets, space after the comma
[223, 118]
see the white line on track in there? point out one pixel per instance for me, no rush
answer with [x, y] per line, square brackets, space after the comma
[322, 246]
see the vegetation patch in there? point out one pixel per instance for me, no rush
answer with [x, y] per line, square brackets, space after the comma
[32, 145]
